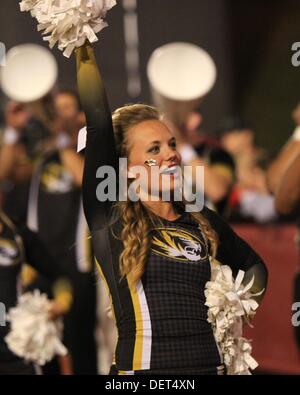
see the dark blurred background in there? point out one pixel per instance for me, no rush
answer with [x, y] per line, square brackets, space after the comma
[250, 42]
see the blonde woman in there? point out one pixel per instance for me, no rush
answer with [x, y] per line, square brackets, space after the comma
[153, 255]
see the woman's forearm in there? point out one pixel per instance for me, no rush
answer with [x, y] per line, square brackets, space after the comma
[91, 88]
[236, 253]
[287, 196]
[279, 167]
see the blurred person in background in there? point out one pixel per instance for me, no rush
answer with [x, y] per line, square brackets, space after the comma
[287, 196]
[284, 183]
[282, 167]
[21, 144]
[55, 212]
[25, 133]
[17, 246]
[250, 198]
[199, 149]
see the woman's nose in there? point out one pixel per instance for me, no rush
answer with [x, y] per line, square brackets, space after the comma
[170, 154]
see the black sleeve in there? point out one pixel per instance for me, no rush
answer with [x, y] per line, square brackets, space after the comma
[236, 253]
[38, 256]
[100, 147]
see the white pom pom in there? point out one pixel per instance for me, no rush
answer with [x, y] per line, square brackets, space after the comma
[230, 303]
[33, 335]
[28, 5]
[69, 22]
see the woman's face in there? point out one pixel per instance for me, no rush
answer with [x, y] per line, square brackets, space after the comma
[153, 141]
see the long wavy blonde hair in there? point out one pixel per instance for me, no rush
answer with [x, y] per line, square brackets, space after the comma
[138, 220]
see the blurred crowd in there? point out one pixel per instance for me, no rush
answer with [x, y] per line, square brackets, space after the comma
[40, 180]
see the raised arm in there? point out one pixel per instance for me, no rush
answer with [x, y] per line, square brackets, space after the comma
[236, 253]
[100, 146]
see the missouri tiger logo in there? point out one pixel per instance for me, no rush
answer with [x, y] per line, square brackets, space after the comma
[178, 244]
[56, 179]
[8, 252]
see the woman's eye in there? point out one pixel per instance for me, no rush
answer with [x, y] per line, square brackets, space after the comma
[173, 145]
[154, 150]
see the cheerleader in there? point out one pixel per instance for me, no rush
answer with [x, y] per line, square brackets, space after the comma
[153, 255]
[17, 246]
[55, 213]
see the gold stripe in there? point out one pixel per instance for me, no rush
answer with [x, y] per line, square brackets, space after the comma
[88, 249]
[125, 373]
[138, 346]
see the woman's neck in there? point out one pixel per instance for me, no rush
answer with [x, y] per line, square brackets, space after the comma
[162, 209]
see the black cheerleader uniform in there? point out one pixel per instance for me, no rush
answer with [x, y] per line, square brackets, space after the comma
[162, 320]
[55, 212]
[17, 246]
